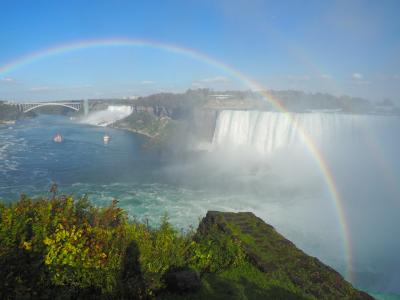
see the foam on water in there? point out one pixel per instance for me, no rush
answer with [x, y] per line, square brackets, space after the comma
[9, 150]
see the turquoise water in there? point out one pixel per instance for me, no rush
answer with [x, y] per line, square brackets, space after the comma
[289, 194]
[146, 183]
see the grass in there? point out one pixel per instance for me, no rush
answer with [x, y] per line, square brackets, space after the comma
[243, 282]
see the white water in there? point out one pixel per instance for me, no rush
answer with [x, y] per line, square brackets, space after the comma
[362, 153]
[108, 116]
[267, 132]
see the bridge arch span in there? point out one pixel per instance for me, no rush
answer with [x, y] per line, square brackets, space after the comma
[27, 107]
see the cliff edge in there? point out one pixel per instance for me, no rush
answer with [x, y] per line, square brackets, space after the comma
[284, 270]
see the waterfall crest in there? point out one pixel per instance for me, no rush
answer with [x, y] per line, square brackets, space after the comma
[266, 132]
[108, 116]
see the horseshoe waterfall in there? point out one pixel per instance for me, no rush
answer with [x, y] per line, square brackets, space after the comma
[267, 132]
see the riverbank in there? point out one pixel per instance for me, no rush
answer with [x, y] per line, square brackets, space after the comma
[164, 133]
[136, 131]
[143, 123]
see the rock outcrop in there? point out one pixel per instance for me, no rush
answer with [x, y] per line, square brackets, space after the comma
[278, 258]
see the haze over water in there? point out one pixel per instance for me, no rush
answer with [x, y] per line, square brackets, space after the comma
[337, 55]
[283, 185]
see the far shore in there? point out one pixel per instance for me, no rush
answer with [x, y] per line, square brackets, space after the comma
[143, 133]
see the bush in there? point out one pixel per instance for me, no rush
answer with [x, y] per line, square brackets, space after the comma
[66, 248]
[215, 252]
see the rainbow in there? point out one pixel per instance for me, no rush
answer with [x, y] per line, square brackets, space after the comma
[252, 84]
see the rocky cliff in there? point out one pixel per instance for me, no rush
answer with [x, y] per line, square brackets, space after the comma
[282, 265]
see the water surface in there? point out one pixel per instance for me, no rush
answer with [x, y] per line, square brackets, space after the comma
[285, 189]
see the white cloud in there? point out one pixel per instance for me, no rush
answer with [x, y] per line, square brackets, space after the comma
[39, 88]
[147, 82]
[217, 79]
[359, 79]
[7, 79]
[357, 76]
[210, 82]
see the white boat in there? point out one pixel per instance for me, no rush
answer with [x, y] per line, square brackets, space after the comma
[106, 138]
[58, 138]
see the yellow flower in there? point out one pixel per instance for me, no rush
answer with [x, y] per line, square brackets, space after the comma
[27, 245]
[47, 241]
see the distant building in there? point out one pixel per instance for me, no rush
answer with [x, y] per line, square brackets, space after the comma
[221, 96]
[130, 97]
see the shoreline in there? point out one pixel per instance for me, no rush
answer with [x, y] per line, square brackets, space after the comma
[140, 132]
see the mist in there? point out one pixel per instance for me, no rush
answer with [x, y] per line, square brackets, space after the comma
[260, 162]
[108, 116]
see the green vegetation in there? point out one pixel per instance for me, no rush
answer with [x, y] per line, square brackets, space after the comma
[144, 123]
[181, 104]
[67, 249]
[9, 112]
[178, 105]
[63, 248]
[166, 134]
[287, 268]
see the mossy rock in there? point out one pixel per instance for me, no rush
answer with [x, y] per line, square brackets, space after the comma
[278, 259]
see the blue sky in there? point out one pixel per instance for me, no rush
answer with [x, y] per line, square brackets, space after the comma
[341, 47]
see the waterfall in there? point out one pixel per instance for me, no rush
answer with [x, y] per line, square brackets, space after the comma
[108, 116]
[266, 132]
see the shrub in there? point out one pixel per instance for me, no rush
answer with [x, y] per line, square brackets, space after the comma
[215, 252]
[68, 248]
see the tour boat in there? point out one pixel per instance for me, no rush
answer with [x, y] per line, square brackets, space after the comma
[106, 138]
[58, 138]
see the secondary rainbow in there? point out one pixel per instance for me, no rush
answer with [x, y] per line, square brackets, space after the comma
[252, 84]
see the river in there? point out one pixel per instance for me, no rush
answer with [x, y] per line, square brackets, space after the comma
[286, 190]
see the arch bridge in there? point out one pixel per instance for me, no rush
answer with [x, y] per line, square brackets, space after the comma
[27, 107]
